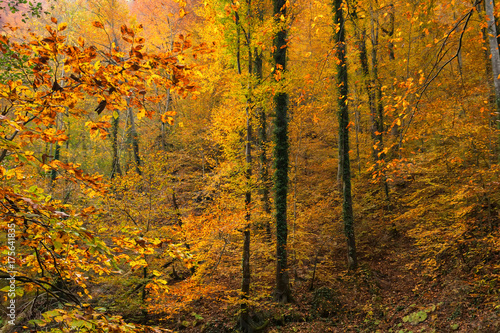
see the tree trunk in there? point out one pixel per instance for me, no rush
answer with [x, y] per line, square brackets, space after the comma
[282, 292]
[134, 141]
[375, 114]
[481, 8]
[263, 141]
[245, 324]
[390, 32]
[115, 166]
[495, 55]
[378, 115]
[163, 125]
[343, 116]
[57, 154]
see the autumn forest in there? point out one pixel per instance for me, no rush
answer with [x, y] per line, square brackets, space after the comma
[249, 166]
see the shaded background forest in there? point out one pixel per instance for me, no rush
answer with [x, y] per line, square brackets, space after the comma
[143, 213]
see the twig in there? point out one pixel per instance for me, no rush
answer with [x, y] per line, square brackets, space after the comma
[430, 78]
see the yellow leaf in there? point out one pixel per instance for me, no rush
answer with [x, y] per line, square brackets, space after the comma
[141, 114]
[166, 119]
[62, 26]
[161, 281]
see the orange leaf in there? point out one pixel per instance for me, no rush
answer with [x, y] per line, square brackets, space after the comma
[97, 24]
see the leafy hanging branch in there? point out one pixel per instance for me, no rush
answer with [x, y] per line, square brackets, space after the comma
[57, 252]
[437, 68]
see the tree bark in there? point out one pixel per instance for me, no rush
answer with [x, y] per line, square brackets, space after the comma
[343, 118]
[378, 110]
[115, 166]
[245, 285]
[495, 55]
[282, 292]
[134, 141]
[163, 125]
[263, 139]
[57, 154]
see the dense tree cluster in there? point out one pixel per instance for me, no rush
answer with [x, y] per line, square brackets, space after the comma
[253, 166]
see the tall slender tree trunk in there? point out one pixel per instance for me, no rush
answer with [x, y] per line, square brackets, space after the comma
[245, 324]
[390, 32]
[343, 116]
[163, 133]
[495, 55]
[363, 59]
[481, 8]
[360, 37]
[282, 292]
[134, 141]
[245, 285]
[378, 110]
[115, 166]
[263, 139]
[375, 114]
[57, 154]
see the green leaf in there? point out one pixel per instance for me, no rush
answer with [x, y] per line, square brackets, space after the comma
[57, 245]
[19, 291]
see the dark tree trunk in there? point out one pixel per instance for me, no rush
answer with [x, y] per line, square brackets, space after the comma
[263, 141]
[134, 141]
[378, 110]
[376, 121]
[115, 166]
[163, 135]
[282, 293]
[245, 323]
[390, 32]
[57, 154]
[343, 116]
[245, 285]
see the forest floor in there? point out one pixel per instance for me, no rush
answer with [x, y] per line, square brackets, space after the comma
[392, 290]
[383, 296]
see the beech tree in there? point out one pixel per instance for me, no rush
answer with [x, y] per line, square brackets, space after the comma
[495, 54]
[55, 249]
[343, 118]
[283, 293]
